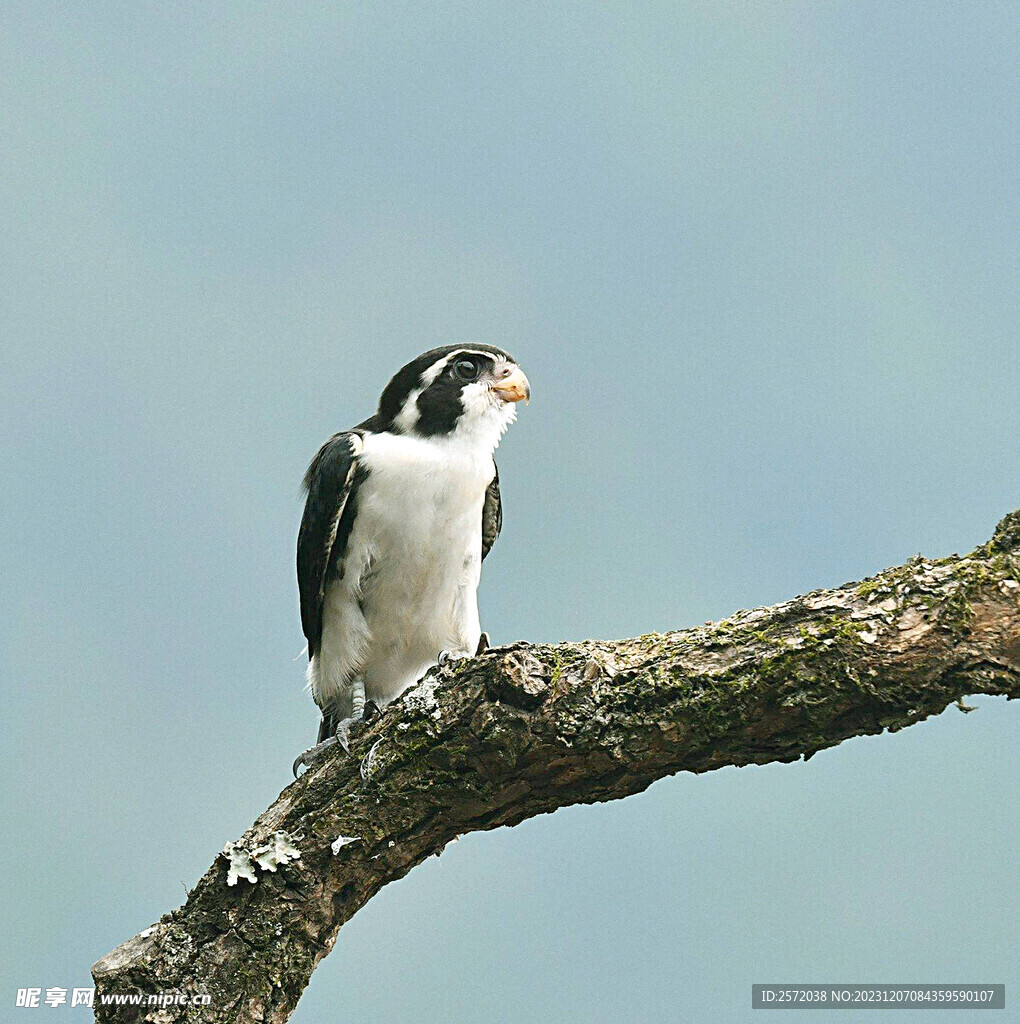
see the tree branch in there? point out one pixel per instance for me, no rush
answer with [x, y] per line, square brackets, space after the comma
[529, 728]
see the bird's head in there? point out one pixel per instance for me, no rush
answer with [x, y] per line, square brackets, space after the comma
[463, 392]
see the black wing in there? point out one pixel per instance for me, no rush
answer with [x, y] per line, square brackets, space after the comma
[331, 482]
[492, 516]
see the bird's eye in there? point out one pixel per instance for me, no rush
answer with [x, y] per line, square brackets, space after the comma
[466, 369]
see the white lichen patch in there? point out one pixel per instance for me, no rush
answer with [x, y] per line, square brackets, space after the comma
[240, 865]
[279, 850]
[341, 841]
[423, 698]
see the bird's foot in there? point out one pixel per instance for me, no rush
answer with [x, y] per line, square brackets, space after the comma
[449, 657]
[342, 738]
[343, 731]
[371, 713]
[313, 755]
[459, 654]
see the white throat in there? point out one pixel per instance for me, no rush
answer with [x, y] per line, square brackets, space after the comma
[483, 422]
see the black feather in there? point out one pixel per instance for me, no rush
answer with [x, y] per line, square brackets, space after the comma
[331, 481]
[492, 515]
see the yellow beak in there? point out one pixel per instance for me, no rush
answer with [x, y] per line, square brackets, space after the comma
[513, 388]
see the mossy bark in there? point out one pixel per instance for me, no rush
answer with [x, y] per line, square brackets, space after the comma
[529, 728]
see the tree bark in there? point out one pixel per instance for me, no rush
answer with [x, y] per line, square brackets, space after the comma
[528, 728]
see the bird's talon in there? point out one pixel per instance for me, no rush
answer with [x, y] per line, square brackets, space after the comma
[313, 755]
[449, 657]
[343, 737]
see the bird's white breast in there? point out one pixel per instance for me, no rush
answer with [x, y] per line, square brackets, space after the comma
[413, 560]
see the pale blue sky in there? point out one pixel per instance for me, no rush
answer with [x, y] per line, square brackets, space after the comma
[759, 261]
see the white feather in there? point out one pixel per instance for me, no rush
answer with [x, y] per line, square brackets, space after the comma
[412, 564]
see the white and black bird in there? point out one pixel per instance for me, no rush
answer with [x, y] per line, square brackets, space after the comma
[401, 511]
